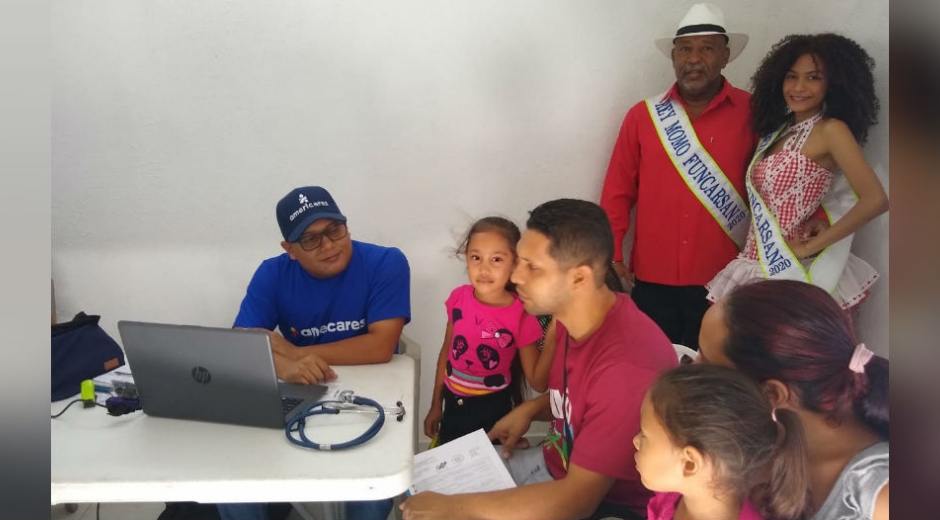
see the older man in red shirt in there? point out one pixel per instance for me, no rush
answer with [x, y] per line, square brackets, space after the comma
[681, 159]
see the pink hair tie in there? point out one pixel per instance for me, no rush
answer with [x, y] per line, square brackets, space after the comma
[860, 358]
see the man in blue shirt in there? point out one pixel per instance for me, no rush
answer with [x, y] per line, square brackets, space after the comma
[334, 301]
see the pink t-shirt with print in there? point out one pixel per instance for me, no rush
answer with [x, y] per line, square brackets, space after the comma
[485, 341]
[663, 507]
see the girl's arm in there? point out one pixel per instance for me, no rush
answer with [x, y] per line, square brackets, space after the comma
[872, 200]
[535, 364]
[432, 421]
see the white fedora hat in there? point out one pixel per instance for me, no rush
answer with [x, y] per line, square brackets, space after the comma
[704, 19]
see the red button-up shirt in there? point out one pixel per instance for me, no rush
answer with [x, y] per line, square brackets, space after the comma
[676, 240]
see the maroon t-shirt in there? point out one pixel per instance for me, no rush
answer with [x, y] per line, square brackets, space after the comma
[608, 375]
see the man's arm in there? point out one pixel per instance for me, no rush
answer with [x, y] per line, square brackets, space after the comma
[389, 309]
[516, 423]
[258, 311]
[375, 346]
[309, 370]
[312, 364]
[575, 496]
[619, 193]
[291, 365]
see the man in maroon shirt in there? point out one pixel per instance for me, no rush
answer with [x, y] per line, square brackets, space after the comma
[608, 353]
[681, 159]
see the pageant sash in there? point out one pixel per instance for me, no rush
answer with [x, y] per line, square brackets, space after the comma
[697, 168]
[828, 265]
[774, 255]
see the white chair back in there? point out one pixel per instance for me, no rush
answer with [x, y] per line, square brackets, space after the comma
[682, 350]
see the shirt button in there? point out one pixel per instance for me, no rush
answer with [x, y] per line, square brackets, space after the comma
[686, 215]
[684, 242]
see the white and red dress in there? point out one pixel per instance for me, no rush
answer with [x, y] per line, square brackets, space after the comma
[792, 185]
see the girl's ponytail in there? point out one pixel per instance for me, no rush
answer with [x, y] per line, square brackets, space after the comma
[787, 494]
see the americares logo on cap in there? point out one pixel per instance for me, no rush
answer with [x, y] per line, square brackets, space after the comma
[302, 207]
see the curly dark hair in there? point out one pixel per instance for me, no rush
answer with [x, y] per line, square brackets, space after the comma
[850, 94]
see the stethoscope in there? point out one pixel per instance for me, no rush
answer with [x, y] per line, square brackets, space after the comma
[348, 402]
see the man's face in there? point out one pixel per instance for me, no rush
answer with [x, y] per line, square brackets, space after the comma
[698, 61]
[540, 281]
[328, 259]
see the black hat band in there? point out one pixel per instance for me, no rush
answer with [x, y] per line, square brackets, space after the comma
[705, 27]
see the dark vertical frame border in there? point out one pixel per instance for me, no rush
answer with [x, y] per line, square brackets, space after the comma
[914, 301]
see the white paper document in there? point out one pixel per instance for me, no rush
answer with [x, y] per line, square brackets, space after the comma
[469, 464]
[105, 382]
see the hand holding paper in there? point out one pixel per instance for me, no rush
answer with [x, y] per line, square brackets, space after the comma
[468, 464]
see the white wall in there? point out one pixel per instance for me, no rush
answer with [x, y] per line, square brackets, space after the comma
[177, 125]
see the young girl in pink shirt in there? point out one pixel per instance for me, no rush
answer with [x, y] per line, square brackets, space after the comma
[479, 374]
[710, 446]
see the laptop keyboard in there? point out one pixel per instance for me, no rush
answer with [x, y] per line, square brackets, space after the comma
[289, 403]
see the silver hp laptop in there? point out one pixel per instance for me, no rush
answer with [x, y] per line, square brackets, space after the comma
[210, 374]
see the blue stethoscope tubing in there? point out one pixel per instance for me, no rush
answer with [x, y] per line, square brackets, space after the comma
[319, 408]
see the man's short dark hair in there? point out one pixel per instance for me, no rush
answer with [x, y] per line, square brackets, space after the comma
[579, 232]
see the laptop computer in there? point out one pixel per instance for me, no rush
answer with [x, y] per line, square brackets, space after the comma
[211, 374]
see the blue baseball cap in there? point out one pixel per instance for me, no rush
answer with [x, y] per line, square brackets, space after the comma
[302, 207]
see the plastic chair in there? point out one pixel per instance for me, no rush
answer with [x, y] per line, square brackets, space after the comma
[682, 350]
[409, 347]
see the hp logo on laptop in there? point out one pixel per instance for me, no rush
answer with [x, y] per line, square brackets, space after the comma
[202, 375]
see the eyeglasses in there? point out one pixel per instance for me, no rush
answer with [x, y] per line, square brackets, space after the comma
[334, 232]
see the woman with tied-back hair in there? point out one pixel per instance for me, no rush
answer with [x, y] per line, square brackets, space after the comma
[795, 339]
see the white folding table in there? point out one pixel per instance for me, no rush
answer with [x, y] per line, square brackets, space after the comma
[136, 458]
